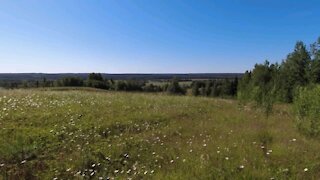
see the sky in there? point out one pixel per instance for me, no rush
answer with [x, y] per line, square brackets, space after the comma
[151, 36]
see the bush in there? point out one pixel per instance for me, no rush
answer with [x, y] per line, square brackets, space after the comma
[70, 81]
[175, 88]
[307, 109]
[98, 84]
[151, 88]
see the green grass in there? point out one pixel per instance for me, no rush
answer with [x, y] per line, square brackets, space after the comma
[88, 134]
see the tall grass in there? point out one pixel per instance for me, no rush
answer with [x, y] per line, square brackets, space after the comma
[92, 135]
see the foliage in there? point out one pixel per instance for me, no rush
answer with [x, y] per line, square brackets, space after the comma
[295, 71]
[307, 108]
[243, 93]
[175, 88]
[95, 77]
[97, 84]
[70, 81]
[96, 80]
[215, 88]
[129, 85]
[269, 83]
[152, 88]
[195, 88]
[315, 64]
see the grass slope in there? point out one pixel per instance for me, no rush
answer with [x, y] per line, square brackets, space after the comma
[82, 135]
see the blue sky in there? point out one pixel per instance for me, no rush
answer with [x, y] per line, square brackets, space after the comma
[151, 36]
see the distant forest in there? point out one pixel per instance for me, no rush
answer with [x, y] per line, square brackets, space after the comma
[196, 84]
[18, 77]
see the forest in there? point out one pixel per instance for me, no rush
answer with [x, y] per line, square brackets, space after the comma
[295, 80]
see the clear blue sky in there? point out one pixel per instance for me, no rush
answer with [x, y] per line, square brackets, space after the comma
[151, 36]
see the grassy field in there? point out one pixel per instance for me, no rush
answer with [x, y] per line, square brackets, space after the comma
[83, 135]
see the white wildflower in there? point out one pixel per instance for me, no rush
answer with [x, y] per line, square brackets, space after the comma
[24, 161]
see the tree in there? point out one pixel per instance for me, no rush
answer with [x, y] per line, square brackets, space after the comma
[151, 88]
[259, 86]
[234, 86]
[195, 88]
[70, 81]
[97, 81]
[315, 64]
[95, 76]
[215, 89]
[295, 69]
[226, 87]
[244, 87]
[134, 85]
[207, 88]
[174, 87]
[44, 82]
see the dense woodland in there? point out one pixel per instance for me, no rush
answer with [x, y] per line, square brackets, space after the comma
[300, 68]
[280, 82]
[295, 80]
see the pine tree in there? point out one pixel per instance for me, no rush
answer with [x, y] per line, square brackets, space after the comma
[295, 70]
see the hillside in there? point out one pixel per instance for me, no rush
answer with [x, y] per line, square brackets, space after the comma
[70, 134]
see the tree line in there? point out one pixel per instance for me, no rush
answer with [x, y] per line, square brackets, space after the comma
[210, 88]
[215, 88]
[295, 80]
[279, 81]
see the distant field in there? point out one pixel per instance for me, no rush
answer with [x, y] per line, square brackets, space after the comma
[88, 134]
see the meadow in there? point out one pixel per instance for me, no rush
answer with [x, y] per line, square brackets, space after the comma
[81, 134]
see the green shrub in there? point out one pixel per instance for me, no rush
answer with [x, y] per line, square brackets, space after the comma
[307, 109]
[175, 88]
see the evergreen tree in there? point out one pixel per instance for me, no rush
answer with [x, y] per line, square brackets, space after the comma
[295, 70]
